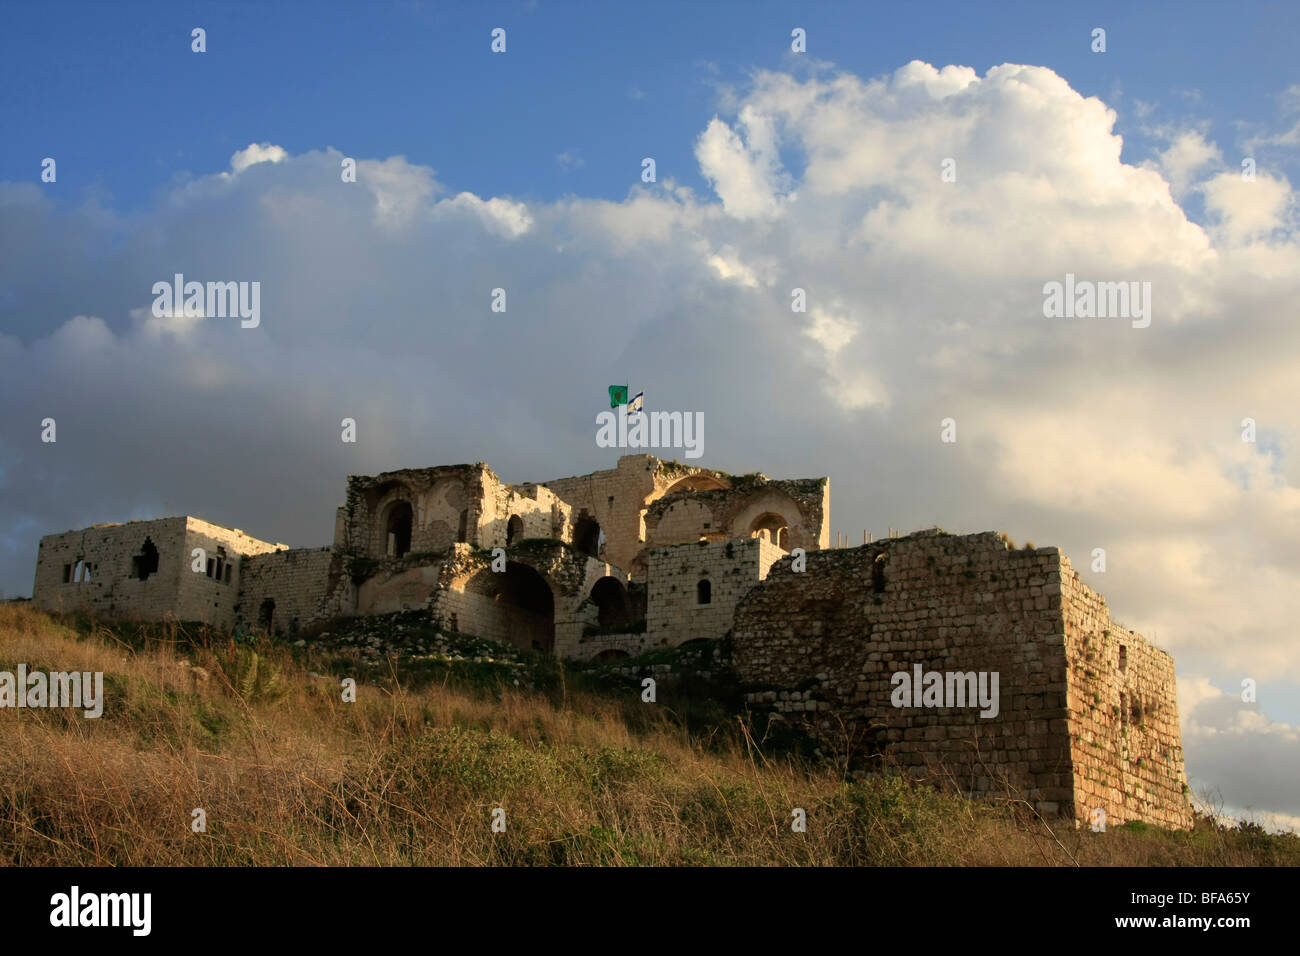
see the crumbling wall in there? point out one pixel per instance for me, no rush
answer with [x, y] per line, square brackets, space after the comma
[114, 588]
[1126, 743]
[752, 502]
[116, 557]
[823, 647]
[540, 513]
[296, 581]
[617, 499]
[446, 506]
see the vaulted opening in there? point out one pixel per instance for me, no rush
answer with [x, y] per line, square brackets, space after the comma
[526, 598]
[514, 529]
[610, 598]
[398, 529]
[772, 527]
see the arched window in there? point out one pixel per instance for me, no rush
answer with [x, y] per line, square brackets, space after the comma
[704, 592]
[514, 529]
[398, 529]
[771, 527]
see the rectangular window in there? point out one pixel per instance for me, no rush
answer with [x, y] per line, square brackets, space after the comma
[1123, 658]
[212, 563]
[67, 574]
[227, 574]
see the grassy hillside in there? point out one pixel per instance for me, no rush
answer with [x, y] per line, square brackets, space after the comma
[258, 736]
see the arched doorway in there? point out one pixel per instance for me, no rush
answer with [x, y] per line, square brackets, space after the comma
[528, 607]
[611, 602]
[514, 529]
[397, 529]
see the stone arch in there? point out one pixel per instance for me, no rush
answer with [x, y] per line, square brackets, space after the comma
[611, 600]
[770, 509]
[398, 523]
[773, 527]
[612, 654]
[528, 602]
[514, 529]
[698, 482]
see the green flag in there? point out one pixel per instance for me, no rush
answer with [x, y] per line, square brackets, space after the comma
[617, 395]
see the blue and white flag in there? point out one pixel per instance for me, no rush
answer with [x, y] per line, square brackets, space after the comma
[636, 404]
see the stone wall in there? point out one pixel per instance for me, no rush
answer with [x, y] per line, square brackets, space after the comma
[446, 506]
[822, 646]
[617, 498]
[296, 580]
[117, 555]
[1126, 744]
[799, 509]
[115, 587]
[675, 613]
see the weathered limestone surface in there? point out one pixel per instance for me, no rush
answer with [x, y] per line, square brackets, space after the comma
[823, 646]
[730, 568]
[285, 590]
[108, 569]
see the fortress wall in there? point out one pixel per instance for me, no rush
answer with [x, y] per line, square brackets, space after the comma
[731, 568]
[297, 580]
[1126, 741]
[824, 644]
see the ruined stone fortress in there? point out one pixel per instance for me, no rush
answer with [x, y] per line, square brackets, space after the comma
[653, 554]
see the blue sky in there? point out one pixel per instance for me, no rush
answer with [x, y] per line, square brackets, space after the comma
[115, 93]
[775, 170]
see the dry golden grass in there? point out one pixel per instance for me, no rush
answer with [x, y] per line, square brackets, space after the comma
[289, 774]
